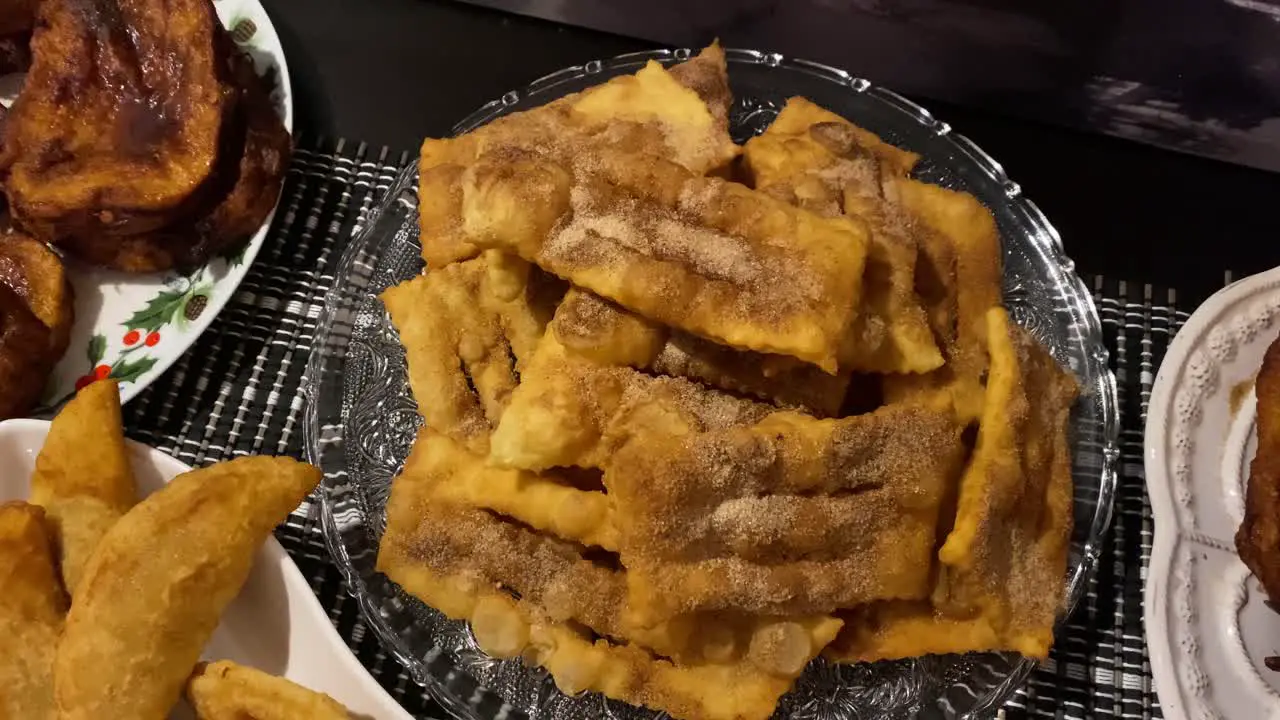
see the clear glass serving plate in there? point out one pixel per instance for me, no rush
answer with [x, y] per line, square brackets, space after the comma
[361, 418]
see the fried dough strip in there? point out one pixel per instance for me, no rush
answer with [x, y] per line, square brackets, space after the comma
[707, 256]
[454, 557]
[1003, 564]
[157, 584]
[960, 252]
[683, 111]
[1258, 539]
[606, 333]
[815, 160]
[790, 515]
[467, 330]
[799, 115]
[564, 406]
[224, 690]
[83, 478]
[32, 606]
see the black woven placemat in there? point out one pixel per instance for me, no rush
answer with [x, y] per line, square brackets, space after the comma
[237, 391]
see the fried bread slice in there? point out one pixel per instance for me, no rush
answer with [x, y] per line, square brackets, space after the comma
[683, 112]
[32, 609]
[1258, 538]
[469, 330]
[605, 333]
[25, 363]
[1003, 565]
[704, 255]
[567, 407]
[571, 616]
[790, 515]
[105, 141]
[822, 168]
[962, 270]
[37, 275]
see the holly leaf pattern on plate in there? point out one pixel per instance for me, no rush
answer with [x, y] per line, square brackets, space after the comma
[96, 349]
[159, 311]
[130, 370]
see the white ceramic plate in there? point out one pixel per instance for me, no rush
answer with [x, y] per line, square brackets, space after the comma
[1208, 627]
[275, 624]
[133, 327]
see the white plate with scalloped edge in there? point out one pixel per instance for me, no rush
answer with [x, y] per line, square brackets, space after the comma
[1209, 629]
[275, 624]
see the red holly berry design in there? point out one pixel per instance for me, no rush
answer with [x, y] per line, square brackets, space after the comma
[132, 337]
[102, 372]
[83, 381]
[152, 339]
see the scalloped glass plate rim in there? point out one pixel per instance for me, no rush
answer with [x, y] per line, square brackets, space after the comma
[1046, 236]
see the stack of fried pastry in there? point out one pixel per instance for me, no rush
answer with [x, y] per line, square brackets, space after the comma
[696, 414]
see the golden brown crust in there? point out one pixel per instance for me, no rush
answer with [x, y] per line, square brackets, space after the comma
[102, 141]
[790, 515]
[707, 256]
[25, 362]
[32, 607]
[224, 690]
[469, 330]
[636, 113]
[606, 333]
[572, 616]
[159, 580]
[83, 478]
[1258, 538]
[37, 275]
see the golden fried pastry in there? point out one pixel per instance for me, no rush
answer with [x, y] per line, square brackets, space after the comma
[154, 589]
[822, 167]
[469, 331]
[32, 606]
[960, 249]
[36, 274]
[682, 112]
[95, 144]
[1258, 538]
[790, 515]
[224, 690]
[799, 115]
[83, 478]
[571, 617]
[605, 333]
[565, 406]
[704, 255]
[1002, 567]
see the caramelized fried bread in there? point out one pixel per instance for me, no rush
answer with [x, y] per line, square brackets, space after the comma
[105, 138]
[25, 361]
[36, 274]
[1258, 538]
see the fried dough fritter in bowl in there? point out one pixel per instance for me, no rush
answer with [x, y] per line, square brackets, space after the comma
[140, 142]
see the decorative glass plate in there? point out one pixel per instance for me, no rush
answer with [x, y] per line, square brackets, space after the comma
[361, 418]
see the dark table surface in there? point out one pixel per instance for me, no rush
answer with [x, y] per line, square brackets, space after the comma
[390, 72]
